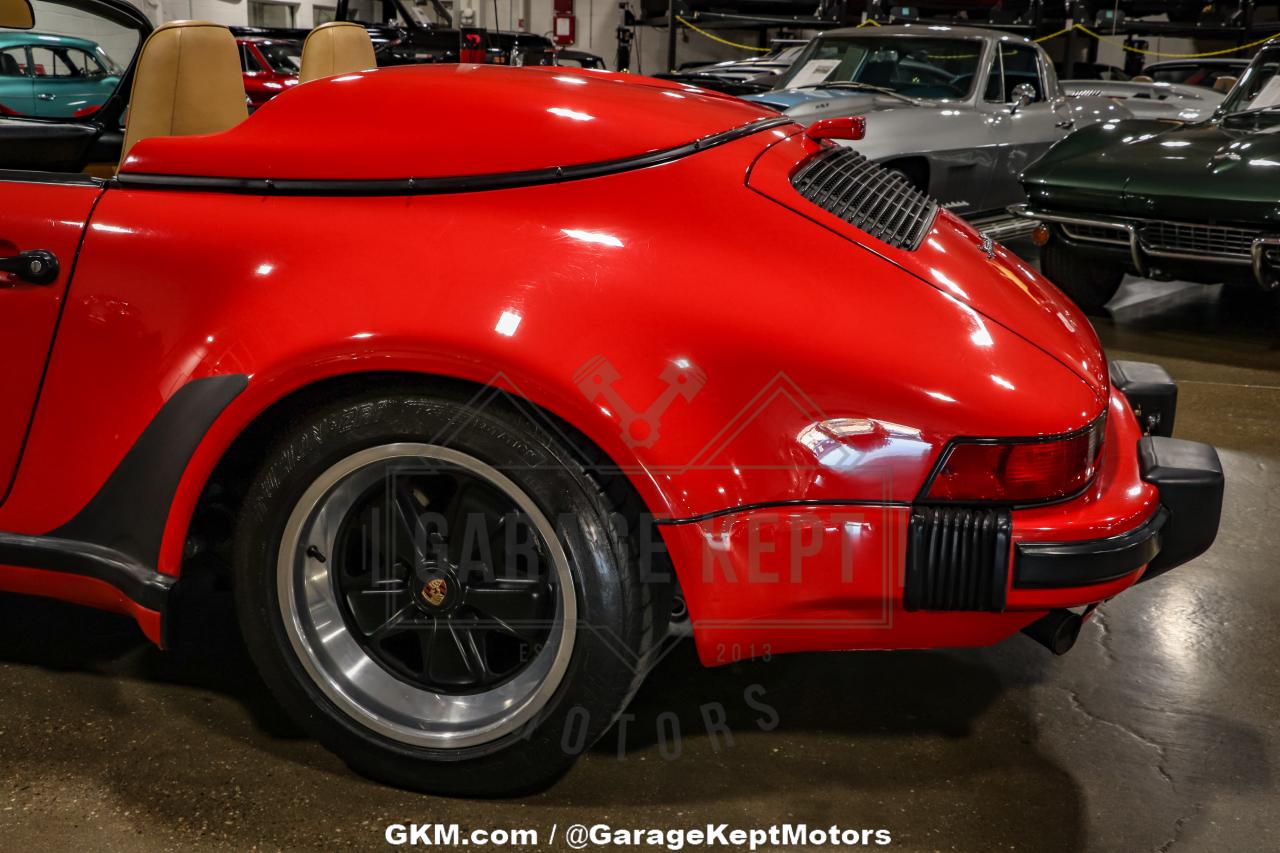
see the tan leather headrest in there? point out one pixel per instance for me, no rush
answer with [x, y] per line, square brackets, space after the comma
[1224, 83]
[338, 47]
[1144, 78]
[188, 81]
[16, 14]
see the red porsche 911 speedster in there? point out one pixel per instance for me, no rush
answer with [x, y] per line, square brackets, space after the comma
[468, 416]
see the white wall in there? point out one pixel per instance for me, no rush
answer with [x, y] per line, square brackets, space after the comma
[229, 12]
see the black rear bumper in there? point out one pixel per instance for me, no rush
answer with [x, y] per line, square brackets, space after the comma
[958, 557]
[1189, 478]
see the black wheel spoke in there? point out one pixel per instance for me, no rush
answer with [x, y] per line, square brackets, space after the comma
[513, 607]
[473, 652]
[471, 522]
[436, 577]
[408, 536]
[427, 634]
[499, 529]
[377, 607]
[453, 660]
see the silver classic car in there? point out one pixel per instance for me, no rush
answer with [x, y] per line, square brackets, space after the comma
[1150, 100]
[960, 111]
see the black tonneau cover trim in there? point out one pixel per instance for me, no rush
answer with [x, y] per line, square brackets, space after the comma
[433, 186]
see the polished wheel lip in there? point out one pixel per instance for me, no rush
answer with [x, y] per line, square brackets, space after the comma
[409, 714]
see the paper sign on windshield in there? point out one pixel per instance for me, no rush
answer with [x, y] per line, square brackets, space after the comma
[814, 71]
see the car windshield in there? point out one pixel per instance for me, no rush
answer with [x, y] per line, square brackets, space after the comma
[284, 57]
[1259, 87]
[1191, 74]
[109, 64]
[783, 54]
[919, 67]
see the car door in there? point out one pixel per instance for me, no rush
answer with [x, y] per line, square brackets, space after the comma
[45, 214]
[1023, 131]
[64, 86]
[17, 89]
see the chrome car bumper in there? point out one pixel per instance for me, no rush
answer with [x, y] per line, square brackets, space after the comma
[1252, 251]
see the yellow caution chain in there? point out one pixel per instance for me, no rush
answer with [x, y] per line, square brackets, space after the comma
[1082, 28]
[1062, 32]
[718, 40]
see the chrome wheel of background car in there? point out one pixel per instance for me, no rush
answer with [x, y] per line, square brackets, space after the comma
[427, 595]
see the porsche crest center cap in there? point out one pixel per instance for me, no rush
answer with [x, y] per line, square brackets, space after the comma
[435, 592]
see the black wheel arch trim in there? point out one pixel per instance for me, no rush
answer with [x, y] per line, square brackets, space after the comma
[116, 536]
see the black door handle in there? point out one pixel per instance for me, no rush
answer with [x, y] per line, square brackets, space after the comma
[35, 267]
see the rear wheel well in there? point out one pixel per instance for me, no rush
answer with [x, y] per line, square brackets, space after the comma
[207, 550]
[915, 168]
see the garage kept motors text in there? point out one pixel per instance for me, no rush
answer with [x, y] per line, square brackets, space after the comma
[597, 835]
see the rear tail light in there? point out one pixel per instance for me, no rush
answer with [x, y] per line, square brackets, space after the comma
[1017, 471]
[841, 127]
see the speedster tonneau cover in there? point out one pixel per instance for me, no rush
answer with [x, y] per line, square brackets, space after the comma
[436, 121]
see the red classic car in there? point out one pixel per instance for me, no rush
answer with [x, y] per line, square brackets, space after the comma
[449, 473]
[270, 66]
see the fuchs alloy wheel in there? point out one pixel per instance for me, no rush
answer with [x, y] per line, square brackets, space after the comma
[450, 620]
[413, 576]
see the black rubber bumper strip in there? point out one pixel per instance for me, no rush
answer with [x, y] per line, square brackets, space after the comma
[1047, 565]
[143, 585]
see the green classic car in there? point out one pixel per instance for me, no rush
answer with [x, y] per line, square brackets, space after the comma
[53, 76]
[1166, 199]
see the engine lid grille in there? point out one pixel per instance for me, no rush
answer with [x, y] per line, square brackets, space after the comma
[880, 201]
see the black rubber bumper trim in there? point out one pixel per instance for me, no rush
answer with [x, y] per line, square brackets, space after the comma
[1150, 391]
[116, 537]
[788, 504]
[1047, 565]
[1189, 476]
[145, 586]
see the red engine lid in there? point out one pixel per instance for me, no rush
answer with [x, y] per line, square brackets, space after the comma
[448, 120]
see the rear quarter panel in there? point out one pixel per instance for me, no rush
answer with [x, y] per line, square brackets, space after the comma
[535, 290]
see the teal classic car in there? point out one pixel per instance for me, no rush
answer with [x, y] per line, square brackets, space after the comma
[1195, 201]
[53, 76]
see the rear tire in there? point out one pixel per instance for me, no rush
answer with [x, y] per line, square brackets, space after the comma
[414, 710]
[1088, 282]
